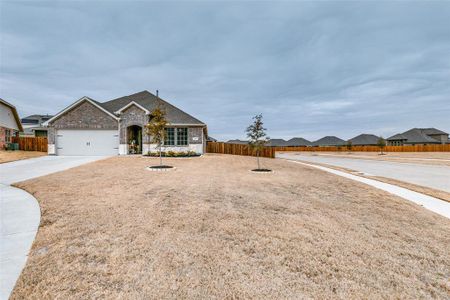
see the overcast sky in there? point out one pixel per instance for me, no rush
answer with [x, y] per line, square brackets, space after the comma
[311, 69]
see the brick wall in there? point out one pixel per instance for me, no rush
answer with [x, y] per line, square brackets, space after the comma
[85, 116]
[2, 137]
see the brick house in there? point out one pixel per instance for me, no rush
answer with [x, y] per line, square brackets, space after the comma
[89, 127]
[419, 136]
[9, 123]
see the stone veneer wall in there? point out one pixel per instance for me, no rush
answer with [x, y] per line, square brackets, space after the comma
[51, 135]
[195, 132]
[133, 115]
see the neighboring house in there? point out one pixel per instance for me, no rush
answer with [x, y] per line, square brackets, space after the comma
[32, 125]
[329, 141]
[419, 136]
[210, 139]
[364, 140]
[88, 127]
[276, 143]
[10, 125]
[298, 142]
[237, 142]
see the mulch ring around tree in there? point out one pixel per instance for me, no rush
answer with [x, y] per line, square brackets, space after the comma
[161, 168]
[262, 171]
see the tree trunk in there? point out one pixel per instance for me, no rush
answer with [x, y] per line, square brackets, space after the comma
[160, 155]
[257, 159]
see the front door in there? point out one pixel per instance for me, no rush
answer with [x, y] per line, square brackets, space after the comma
[134, 134]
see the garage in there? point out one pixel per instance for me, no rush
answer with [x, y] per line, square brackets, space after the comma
[87, 142]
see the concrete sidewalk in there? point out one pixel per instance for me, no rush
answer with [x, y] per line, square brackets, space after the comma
[20, 213]
[432, 176]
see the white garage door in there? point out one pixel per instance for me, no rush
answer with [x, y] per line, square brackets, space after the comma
[87, 142]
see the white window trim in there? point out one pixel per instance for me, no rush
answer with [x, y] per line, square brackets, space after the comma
[133, 103]
[175, 140]
[187, 136]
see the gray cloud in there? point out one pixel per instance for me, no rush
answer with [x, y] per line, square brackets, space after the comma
[312, 69]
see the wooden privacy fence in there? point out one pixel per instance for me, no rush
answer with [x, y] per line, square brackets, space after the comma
[238, 149]
[408, 148]
[31, 143]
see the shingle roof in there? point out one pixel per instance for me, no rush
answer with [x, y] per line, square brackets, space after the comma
[329, 141]
[431, 131]
[364, 139]
[149, 101]
[298, 141]
[277, 142]
[414, 136]
[397, 137]
[36, 119]
[237, 142]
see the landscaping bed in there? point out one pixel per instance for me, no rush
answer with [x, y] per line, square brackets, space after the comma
[212, 229]
[173, 154]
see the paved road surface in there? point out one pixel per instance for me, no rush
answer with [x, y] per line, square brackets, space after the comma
[433, 176]
[20, 213]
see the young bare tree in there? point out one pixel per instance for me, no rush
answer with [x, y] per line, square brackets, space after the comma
[381, 144]
[349, 145]
[155, 128]
[257, 136]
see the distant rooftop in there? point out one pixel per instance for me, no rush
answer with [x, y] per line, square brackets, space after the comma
[418, 136]
[329, 141]
[364, 139]
[298, 141]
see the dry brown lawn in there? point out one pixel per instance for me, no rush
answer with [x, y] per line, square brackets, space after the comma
[7, 156]
[211, 229]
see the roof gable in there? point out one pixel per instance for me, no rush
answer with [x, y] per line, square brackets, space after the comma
[131, 104]
[148, 101]
[75, 104]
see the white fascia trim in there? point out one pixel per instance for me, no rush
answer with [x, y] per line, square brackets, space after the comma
[75, 104]
[133, 103]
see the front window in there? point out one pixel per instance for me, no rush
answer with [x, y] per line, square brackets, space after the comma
[169, 137]
[182, 136]
[176, 137]
[8, 136]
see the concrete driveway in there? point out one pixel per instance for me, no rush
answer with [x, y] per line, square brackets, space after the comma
[20, 213]
[433, 176]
